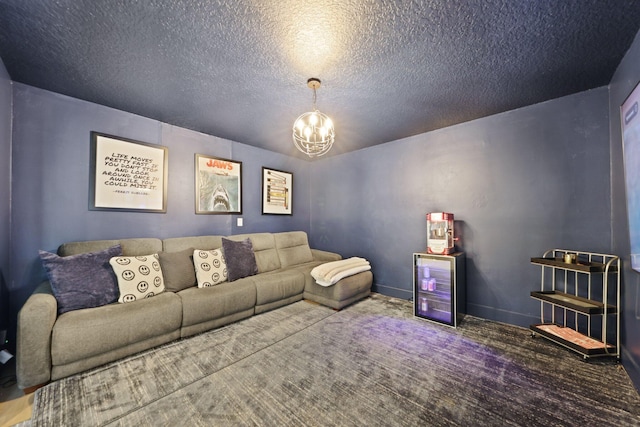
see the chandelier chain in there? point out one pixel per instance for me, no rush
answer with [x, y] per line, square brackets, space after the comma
[314, 99]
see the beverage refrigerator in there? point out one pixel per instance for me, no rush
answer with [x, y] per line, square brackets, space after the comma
[439, 287]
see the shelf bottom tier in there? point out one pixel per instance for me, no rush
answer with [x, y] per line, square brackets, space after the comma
[574, 340]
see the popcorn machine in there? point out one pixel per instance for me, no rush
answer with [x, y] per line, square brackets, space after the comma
[440, 238]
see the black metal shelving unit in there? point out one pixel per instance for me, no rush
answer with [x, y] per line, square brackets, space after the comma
[579, 301]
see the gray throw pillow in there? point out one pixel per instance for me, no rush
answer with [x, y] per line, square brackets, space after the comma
[177, 269]
[241, 261]
[83, 280]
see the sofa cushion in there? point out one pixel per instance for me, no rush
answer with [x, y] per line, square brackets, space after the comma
[264, 249]
[210, 267]
[341, 291]
[177, 270]
[82, 281]
[215, 302]
[84, 333]
[278, 285]
[293, 248]
[138, 277]
[241, 262]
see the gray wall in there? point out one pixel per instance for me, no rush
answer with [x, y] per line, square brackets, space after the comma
[51, 138]
[518, 183]
[624, 80]
[5, 194]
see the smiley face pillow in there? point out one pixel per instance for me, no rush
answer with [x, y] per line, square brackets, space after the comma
[138, 276]
[210, 267]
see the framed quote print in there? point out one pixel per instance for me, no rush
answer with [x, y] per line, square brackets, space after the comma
[127, 175]
[277, 189]
[218, 185]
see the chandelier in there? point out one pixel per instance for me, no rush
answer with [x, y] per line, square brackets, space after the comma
[313, 132]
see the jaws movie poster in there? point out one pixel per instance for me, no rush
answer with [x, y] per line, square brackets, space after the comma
[218, 185]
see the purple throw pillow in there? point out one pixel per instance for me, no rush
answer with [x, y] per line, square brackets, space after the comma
[82, 281]
[240, 259]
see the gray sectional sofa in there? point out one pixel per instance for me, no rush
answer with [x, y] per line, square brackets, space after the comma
[52, 346]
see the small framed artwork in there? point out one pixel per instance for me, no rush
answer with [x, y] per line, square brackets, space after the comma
[127, 175]
[218, 185]
[277, 189]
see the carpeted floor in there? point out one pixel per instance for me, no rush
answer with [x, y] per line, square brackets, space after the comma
[367, 365]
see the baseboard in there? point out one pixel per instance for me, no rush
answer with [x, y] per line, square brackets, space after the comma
[503, 316]
[389, 291]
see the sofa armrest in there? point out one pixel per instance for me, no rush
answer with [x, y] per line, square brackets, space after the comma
[33, 344]
[320, 255]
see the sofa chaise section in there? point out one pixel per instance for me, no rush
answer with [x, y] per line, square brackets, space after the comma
[296, 254]
[347, 291]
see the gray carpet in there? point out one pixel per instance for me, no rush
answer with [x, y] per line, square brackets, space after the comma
[367, 365]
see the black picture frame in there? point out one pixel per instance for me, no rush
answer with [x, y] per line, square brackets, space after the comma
[277, 192]
[127, 175]
[218, 185]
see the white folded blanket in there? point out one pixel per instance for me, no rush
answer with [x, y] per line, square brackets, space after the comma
[329, 273]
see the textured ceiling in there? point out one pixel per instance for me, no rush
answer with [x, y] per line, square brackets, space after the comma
[389, 69]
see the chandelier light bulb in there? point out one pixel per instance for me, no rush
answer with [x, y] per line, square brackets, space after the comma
[328, 123]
